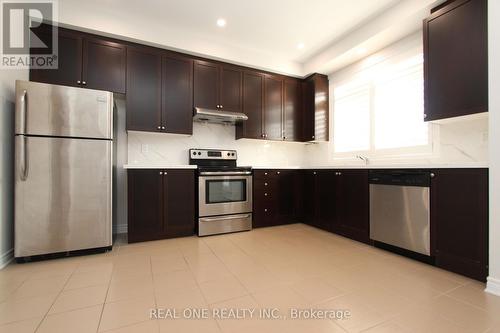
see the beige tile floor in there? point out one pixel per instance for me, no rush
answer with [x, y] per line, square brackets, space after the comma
[294, 266]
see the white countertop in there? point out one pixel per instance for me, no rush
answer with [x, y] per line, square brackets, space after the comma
[158, 166]
[266, 167]
[427, 166]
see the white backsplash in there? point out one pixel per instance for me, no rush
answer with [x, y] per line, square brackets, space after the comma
[171, 149]
[458, 143]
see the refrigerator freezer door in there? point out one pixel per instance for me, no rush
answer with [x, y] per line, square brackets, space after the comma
[51, 110]
[63, 195]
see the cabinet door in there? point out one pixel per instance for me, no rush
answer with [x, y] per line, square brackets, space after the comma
[459, 221]
[325, 199]
[143, 89]
[292, 110]
[206, 84]
[230, 89]
[104, 65]
[69, 71]
[145, 205]
[315, 108]
[307, 110]
[286, 195]
[456, 60]
[177, 95]
[309, 196]
[273, 102]
[179, 203]
[253, 87]
[352, 204]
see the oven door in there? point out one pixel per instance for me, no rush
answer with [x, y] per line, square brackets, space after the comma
[224, 194]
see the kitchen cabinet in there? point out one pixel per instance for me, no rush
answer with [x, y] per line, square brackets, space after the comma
[68, 72]
[352, 212]
[104, 65]
[459, 221]
[217, 87]
[86, 61]
[274, 197]
[292, 110]
[144, 79]
[456, 60]
[319, 198]
[161, 204]
[159, 88]
[273, 107]
[315, 108]
[253, 106]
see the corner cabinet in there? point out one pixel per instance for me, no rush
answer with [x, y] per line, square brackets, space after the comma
[315, 108]
[456, 60]
[159, 91]
[459, 221]
[161, 204]
[86, 61]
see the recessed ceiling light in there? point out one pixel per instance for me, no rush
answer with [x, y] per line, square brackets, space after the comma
[300, 46]
[221, 22]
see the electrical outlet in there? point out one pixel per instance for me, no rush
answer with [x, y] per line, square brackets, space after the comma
[144, 148]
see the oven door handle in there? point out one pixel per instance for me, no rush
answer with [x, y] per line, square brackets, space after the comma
[224, 218]
[224, 173]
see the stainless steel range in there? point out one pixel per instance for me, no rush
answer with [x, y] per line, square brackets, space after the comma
[224, 192]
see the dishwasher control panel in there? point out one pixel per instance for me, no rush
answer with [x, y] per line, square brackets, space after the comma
[400, 177]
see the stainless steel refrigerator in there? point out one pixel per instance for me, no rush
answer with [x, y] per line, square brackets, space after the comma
[63, 169]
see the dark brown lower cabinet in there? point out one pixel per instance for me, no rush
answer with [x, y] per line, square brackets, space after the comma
[319, 198]
[352, 213]
[274, 197]
[161, 204]
[459, 221]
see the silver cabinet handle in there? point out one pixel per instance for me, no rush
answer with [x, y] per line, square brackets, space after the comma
[78, 82]
[265, 194]
[314, 173]
[224, 218]
[312, 136]
[432, 175]
[277, 172]
[265, 184]
[159, 127]
[265, 210]
[163, 127]
[265, 173]
[161, 173]
[84, 83]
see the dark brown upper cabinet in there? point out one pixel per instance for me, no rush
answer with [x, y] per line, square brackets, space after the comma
[456, 60]
[315, 108]
[217, 86]
[143, 100]
[159, 91]
[292, 110]
[253, 106]
[86, 61]
[69, 70]
[459, 221]
[177, 94]
[161, 204]
[273, 107]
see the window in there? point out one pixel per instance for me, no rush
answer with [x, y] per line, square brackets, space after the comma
[379, 109]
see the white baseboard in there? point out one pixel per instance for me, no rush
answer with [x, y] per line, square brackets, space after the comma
[6, 258]
[120, 229]
[493, 286]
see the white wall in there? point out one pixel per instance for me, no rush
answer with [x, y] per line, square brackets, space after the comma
[493, 285]
[168, 149]
[7, 81]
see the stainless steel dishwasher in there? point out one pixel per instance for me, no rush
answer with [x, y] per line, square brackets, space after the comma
[399, 208]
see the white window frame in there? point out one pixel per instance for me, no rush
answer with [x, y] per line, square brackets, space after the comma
[400, 50]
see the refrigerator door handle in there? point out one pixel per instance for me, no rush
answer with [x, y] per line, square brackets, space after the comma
[24, 158]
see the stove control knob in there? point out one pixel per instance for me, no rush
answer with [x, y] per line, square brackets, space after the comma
[199, 153]
[228, 154]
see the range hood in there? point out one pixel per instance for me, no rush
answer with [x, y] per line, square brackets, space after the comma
[218, 116]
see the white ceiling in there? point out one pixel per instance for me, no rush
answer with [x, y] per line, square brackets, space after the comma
[261, 33]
